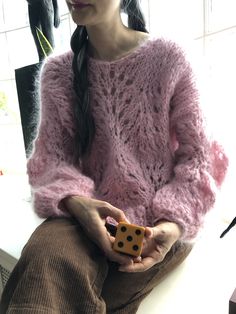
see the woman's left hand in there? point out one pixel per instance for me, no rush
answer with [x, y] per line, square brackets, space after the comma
[157, 243]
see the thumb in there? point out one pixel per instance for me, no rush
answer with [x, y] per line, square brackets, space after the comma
[155, 232]
[149, 232]
[112, 211]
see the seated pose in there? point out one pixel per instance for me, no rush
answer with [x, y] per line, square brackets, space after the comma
[120, 138]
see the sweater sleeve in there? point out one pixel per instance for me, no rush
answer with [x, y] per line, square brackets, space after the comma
[52, 175]
[199, 165]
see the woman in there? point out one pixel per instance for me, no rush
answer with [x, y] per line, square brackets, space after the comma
[120, 138]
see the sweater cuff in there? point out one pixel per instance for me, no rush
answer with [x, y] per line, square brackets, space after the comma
[179, 214]
[47, 199]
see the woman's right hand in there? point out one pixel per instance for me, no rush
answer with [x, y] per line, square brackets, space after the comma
[92, 214]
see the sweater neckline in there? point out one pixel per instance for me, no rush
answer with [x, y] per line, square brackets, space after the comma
[126, 57]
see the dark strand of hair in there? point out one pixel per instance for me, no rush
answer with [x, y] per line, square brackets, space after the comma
[136, 19]
[85, 123]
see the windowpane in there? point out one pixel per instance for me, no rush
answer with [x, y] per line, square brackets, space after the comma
[221, 52]
[1, 17]
[22, 49]
[11, 137]
[63, 9]
[5, 72]
[222, 14]
[62, 35]
[72, 25]
[15, 14]
[11, 108]
[182, 19]
[13, 159]
[145, 9]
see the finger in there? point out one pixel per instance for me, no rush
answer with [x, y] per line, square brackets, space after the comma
[154, 232]
[102, 239]
[160, 236]
[158, 232]
[137, 259]
[98, 233]
[112, 239]
[148, 232]
[106, 209]
[118, 258]
[145, 264]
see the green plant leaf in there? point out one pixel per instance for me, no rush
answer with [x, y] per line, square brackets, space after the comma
[44, 43]
[3, 101]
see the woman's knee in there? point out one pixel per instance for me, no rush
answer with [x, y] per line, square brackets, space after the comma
[61, 244]
[58, 267]
[51, 238]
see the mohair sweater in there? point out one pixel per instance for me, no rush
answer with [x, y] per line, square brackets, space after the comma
[150, 155]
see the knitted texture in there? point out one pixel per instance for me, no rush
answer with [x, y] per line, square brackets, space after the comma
[150, 156]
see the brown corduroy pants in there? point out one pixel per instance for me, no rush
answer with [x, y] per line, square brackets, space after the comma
[62, 272]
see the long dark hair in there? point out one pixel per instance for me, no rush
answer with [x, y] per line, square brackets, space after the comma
[79, 43]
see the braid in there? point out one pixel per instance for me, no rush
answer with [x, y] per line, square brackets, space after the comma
[136, 19]
[85, 123]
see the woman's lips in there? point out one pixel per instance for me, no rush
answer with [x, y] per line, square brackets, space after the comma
[79, 5]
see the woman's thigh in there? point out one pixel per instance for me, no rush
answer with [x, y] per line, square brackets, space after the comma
[123, 292]
[60, 271]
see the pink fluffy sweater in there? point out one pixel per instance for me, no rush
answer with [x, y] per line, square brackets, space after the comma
[150, 156]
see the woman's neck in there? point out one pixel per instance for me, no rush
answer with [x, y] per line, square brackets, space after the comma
[114, 42]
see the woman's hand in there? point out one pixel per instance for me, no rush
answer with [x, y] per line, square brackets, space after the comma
[157, 243]
[92, 215]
